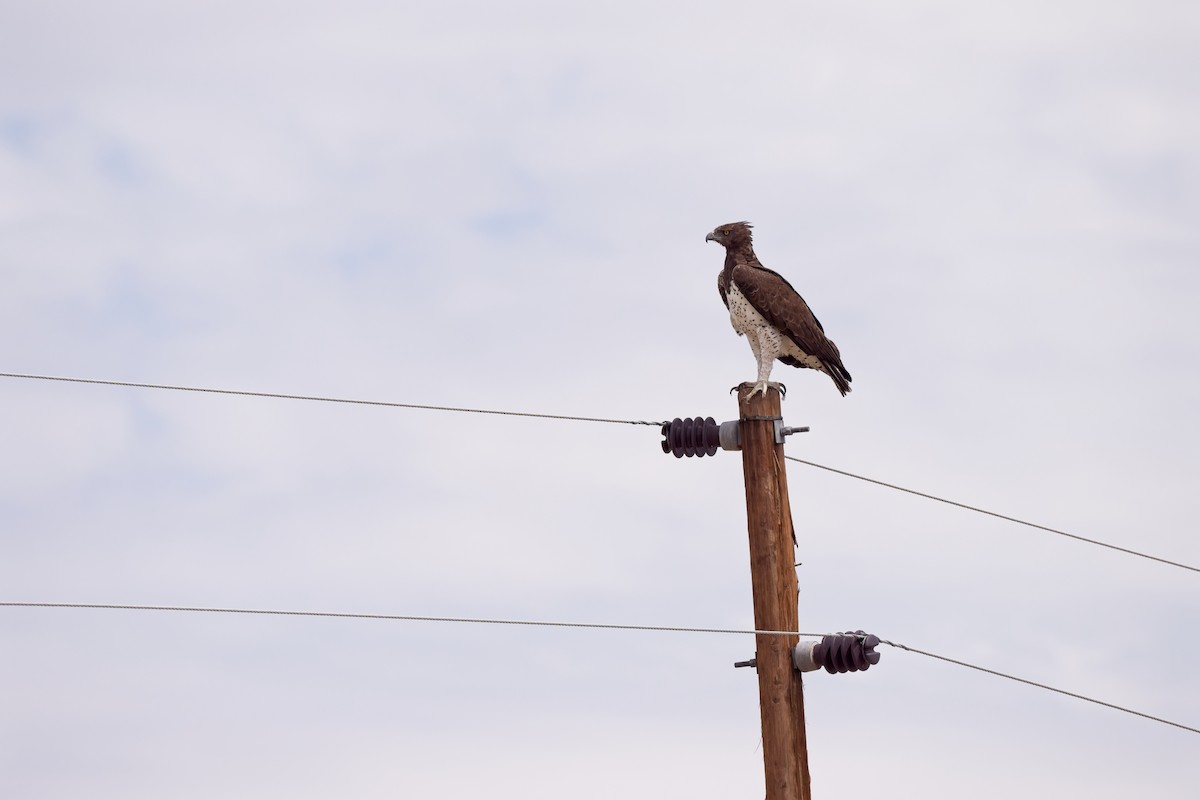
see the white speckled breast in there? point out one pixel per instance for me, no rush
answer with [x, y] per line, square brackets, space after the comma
[742, 315]
[746, 320]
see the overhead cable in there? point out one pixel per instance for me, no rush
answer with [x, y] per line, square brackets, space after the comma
[579, 625]
[574, 418]
[1004, 517]
[1038, 685]
[282, 396]
[408, 618]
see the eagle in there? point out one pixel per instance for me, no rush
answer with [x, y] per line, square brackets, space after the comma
[772, 315]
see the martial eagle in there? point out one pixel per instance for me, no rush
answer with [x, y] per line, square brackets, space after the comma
[772, 315]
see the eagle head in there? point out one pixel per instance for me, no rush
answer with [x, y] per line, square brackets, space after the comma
[731, 235]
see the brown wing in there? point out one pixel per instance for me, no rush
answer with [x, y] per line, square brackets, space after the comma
[782, 306]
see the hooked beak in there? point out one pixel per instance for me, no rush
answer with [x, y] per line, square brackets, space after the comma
[710, 238]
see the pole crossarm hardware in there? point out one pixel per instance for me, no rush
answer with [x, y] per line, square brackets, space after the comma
[696, 437]
[839, 652]
[834, 652]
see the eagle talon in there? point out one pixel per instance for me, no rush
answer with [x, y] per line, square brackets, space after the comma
[762, 386]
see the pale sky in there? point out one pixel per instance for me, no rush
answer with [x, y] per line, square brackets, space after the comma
[992, 209]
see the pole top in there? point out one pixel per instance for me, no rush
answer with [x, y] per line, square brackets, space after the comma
[752, 403]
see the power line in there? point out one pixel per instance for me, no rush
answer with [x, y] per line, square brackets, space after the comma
[282, 396]
[578, 625]
[1004, 517]
[1039, 685]
[408, 618]
[574, 418]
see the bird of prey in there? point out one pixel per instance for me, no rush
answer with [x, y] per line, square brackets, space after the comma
[772, 315]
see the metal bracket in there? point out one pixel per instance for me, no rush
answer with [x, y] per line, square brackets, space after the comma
[730, 435]
[780, 430]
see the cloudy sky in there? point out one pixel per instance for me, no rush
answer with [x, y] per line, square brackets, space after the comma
[992, 207]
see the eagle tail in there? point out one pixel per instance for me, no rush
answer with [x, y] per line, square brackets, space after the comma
[841, 378]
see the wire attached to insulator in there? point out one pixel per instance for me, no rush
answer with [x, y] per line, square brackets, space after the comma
[694, 436]
[699, 436]
[841, 652]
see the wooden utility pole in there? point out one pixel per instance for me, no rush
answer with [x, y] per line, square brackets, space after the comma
[773, 575]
